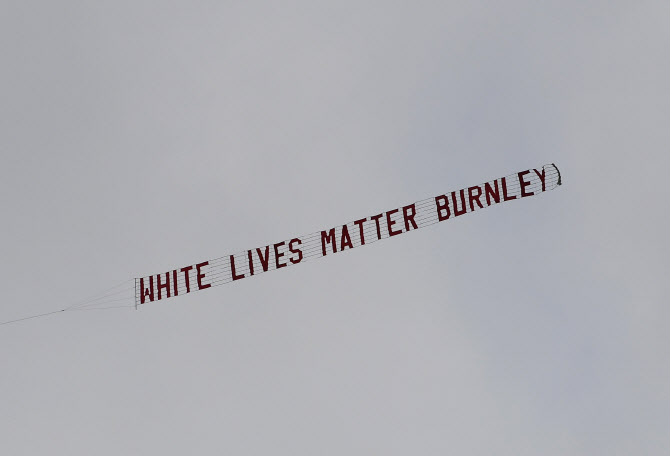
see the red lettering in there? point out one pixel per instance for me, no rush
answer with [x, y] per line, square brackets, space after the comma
[251, 262]
[524, 184]
[360, 228]
[175, 285]
[293, 250]
[376, 219]
[409, 217]
[390, 223]
[345, 241]
[264, 261]
[330, 237]
[201, 275]
[144, 292]
[186, 278]
[232, 269]
[472, 198]
[504, 189]
[453, 200]
[491, 193]
[542, 177]
[442, 204]
[279, 255]
[160, 286]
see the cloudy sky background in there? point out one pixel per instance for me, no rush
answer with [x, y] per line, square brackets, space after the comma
[140, 136]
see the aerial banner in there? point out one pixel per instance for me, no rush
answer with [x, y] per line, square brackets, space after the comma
[360, 232]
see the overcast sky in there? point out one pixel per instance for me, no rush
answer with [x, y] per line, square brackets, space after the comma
[141, 136]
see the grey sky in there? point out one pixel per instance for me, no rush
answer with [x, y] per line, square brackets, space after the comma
[139, 136]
